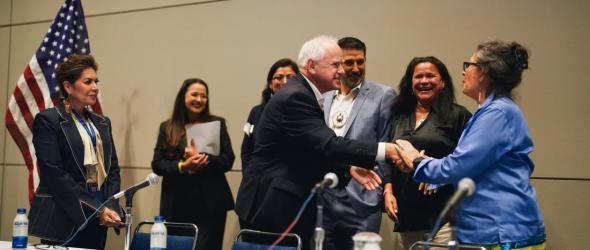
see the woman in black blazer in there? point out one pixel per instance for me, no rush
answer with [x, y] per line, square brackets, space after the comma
[278, 75]
[77, 162]
[194, 187]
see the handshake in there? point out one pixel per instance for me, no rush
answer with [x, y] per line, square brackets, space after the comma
[401, 153]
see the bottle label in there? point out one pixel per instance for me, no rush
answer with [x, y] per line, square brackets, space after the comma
[19, 241]
[158, 240]
[20, 229]
[23, 223]
[158, 234]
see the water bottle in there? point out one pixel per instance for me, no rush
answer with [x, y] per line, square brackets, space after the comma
[366, 241]
[158, 234]
[20, 229]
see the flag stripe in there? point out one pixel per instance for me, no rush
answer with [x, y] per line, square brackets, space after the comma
[28, 98]
[24, 108]
[35, 90]
[43, 86]
[97, 108]
[24, 148]
[17, 119]
[40, 78]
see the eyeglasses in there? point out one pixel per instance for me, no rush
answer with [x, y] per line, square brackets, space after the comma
[467, 64]
[351, 62]
[281, 77]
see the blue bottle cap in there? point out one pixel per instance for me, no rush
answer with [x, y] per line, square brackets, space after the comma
[21, 210]
[159, 218]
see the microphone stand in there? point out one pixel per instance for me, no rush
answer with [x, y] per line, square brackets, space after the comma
[453, 226]
[452, 244]
[319, 230]
[128, 218]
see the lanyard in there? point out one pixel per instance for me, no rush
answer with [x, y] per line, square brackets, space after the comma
[88, 128]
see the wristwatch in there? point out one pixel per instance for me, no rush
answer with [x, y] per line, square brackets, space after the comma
[417, 161]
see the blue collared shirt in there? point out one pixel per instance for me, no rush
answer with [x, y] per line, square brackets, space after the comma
[494, 151]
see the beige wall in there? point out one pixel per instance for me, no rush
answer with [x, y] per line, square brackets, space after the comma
[146, 48]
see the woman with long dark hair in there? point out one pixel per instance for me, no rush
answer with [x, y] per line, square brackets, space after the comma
[194, 187]
[424, 113]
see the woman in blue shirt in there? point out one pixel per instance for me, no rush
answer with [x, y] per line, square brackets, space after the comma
[494, 151]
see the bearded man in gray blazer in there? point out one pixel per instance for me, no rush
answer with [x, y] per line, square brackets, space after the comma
[359, 110]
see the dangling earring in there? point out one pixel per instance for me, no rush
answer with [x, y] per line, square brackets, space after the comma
[480, 95]
[68, 105]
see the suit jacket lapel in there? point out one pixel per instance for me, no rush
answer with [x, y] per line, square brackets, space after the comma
[299, 78]
[72, 137]
[356, 107]
[328, 99]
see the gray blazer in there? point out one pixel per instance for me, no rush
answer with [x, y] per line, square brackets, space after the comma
[370, 121]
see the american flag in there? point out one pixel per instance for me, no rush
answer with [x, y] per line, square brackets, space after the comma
[37, 88]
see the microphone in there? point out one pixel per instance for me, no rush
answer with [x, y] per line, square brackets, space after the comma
[151, 179]
[330, 180]
[465, 188]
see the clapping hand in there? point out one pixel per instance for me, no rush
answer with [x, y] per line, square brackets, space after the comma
[195, 161]
[191, 150]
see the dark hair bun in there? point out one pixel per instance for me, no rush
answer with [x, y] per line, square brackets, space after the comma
[521, 55]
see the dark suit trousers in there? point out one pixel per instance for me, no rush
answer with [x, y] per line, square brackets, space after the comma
[211, 230]
[211, 226]
[340, 222]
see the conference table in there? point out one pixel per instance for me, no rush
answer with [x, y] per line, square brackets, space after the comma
[8, 245]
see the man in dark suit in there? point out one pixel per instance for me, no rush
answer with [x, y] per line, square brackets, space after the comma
[360, 110]
[295, 148]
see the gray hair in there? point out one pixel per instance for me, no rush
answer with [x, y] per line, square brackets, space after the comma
[315, 48]
[503, 62]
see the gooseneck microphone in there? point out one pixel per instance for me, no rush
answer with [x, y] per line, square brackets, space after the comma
[151, 179]
[330, 180]
[465, 188]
